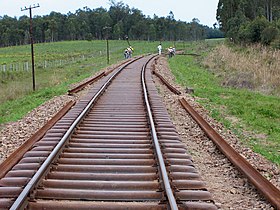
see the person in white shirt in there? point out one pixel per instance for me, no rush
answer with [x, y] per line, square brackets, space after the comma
[159, 49]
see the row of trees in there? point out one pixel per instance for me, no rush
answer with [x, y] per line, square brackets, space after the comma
[100, 23]
[250, 21]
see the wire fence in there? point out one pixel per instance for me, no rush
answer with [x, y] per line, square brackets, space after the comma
[8, 70]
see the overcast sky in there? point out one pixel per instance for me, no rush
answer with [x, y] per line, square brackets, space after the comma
[185, 10]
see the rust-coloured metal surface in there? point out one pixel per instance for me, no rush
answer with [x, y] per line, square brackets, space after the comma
[109, 161]
[168, 85]
[271, 192]
[82, 86]
[94, 79]
[17, 155]
[89, 205]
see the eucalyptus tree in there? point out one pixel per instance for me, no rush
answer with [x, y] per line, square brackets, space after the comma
[116, 22]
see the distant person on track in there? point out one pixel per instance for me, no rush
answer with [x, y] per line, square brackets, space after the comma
[159, 49]
[171, 51]
[125, 54]
[128, 52]
[174, 51]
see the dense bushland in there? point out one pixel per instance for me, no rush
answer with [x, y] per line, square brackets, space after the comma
[250, 21]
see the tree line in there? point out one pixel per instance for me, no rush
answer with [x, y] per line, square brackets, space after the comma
[117, 22]
[250, 21]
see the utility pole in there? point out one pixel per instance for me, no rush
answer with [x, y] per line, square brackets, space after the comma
[106, 29]
[126, 37]
[31, 40]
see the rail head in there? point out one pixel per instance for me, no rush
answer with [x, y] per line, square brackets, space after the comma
[163, 171]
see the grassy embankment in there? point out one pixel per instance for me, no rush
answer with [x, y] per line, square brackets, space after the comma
[236, 100]
[77, 59]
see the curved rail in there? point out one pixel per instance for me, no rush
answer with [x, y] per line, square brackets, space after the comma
[94, 79]
[45, 166]
[82, 86]
[168, 189]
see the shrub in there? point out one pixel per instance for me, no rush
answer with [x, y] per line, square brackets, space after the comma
[256, 28]
[243, 34]
[88, 36]
[234, 25]
[276, 43]
[269, 34]
[251, 32]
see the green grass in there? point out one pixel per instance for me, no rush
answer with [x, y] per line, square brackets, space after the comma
[16, 109]
[16, 95]
[257, 113]
[69, 49]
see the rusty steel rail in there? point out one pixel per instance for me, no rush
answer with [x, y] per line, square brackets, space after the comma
[18, 154]
[94, 79]
[111, 70]
[82, 86]
[166, 181]
[191, 54]
[266, 188]
[168, 85]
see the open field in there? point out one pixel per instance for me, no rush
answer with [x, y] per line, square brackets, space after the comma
[74, 61]
[254, 116]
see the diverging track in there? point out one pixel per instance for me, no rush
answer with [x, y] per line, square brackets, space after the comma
[107, 157]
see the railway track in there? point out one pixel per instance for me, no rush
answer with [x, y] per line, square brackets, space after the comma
[115, 149]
